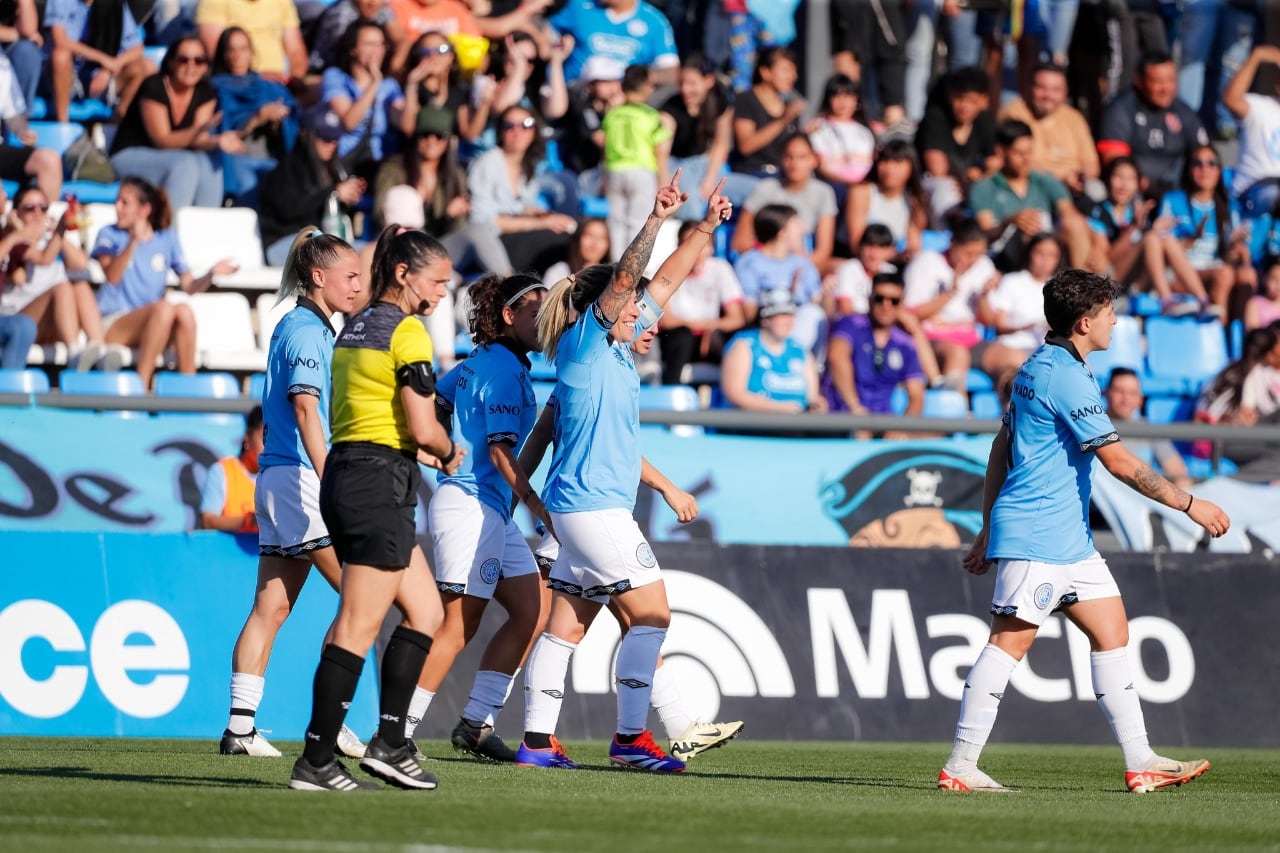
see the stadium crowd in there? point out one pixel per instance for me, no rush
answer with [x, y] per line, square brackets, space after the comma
[912, 206]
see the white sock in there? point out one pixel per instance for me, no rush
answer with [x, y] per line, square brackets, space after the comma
[246, 693]
[983, 690]
[488, 695]
[634, 671]
[418, 706]
[544, 683]
[1113, 686]
[666, 700]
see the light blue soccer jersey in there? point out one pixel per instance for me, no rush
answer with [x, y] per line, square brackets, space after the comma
[596, 462]
[643, 37]
[1056, 420]
[492, 400]
[298, 362]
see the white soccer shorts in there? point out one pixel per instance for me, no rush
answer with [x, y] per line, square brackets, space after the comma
[602, 553]
[1030, 590]
[287, 502]
[474, 545]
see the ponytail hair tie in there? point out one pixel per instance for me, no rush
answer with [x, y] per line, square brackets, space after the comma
[314, 234]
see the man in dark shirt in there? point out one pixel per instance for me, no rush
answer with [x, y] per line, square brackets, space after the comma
[957, 138]
[581, 132]
[1152, 126]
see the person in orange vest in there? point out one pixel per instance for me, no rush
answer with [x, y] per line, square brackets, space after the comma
[226, 503]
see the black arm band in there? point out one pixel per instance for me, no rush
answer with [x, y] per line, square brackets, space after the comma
[453, 451]
[419, 376]
[1191, 499]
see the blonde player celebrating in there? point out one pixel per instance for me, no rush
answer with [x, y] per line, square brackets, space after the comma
[585, 325]
[480, 553]
[1036, 531]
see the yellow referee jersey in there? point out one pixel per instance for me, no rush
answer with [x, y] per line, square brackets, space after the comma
[373, 346]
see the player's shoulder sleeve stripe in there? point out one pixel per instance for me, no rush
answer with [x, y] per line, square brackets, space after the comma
[1094, 444]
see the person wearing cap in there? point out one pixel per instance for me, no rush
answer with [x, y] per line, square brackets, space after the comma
[296, 191]
[630, 32]
[581, 129]
[480, 552]
[764, 369]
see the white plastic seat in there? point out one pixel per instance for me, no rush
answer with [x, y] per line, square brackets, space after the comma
[224, 332]
[210, 234]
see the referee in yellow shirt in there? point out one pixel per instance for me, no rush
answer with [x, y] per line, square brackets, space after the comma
[383, 412]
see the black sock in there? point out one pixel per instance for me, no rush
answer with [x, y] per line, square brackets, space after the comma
[537, 740]
[401, 666]
[626, 740]
[331, 693]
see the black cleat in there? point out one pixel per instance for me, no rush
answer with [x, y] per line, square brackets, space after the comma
[251, 744]
[481, 742]
[396, 766]
[329, 777]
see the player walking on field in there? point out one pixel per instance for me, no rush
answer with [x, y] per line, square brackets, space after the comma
[1036, 531]
[585, 325]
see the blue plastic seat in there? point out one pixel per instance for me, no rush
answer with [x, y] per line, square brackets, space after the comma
[541, 370]
[1235, 339]
[257, 385]
[985, 405]
[1168, 410]
[594, 207]
[23, 381]
[898, 400]
[1144, 305]
[216, 386]
[124, 383]
[978, 380]
[91, 192]
[54, 135]
[935, 241]
[945, 403]
[1185, 350]
[1126, 350]
[672, 398]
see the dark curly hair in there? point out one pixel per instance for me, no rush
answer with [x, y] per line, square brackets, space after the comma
[1072, 294]
[489, 295]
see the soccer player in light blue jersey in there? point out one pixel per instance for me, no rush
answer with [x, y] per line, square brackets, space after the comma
[1036, 532]
[585, 326]
[480, 553]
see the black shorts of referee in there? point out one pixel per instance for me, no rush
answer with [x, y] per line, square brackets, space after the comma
[368, 498]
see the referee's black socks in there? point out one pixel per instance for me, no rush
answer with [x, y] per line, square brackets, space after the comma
[401, 666]
[331, 693]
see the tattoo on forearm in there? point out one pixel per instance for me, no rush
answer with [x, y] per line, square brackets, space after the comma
[626, 277]
[1147, 482]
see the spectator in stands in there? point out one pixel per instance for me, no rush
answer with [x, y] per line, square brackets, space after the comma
[137, 253]
[891, 196]
[338, 18]
[92, 45]
[227, 500]
[701, 315]
[588, 246]
[845, 146]
[263, 112]
[1198, 235]
[432, 81]
[876, 251]
[524, 78]
[637, 148]
[630, 32]
[367, 103]
[1061, 143]
[942, 289]
[23, 162]
[504, 196]
[279, 52]
[168, 136]
[38, 284]
[296, 192]
[703, 138]
[1264, 309]
[20, 37]
[1013, 306]
[1245, 393]
[869, 34]
[17, 334]
[956, 139]
[1017, 203]
[868, 356]
[798, 187]
[1151, 125]
[456, 18]
[765, 369]
[1120, 222]
[1124, 404]
[581, 131]
[1257, 178]
[780, 263]
[767, 115]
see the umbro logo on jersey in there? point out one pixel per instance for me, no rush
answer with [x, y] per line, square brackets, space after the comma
[634, 684]
[554, 694]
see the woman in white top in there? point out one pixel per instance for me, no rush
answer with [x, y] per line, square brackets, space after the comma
[844, 145]
[1014, 307]
[891, 196]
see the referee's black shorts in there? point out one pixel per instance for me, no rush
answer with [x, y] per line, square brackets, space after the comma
[368, 496]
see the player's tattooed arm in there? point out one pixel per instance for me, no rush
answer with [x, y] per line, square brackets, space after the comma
[1144, 480]
[626, 278]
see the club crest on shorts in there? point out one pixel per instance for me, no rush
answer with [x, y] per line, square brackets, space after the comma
[1044, 594]
[644, 555]
[490, 569]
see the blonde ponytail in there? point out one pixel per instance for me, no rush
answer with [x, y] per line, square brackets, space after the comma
[311, 249]
[555, 316]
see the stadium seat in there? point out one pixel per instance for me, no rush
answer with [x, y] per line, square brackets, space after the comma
[212, 386]
[54, 135]
[1185, 350]
[935, 241]
[269, 313]
[24, 381]
[542, 370]
[1144, 305]
[945, 403]
[209, 234]
[978, 380]
[257, 384]
[985, 405]
[48, 354]
[594, 207]
[542, 392]
[224, 332]
[672, 398]
[1126, 350]
[79, 111]
[1235, 339]
[91, 192]
[898, 400]
[125, 383]
[1168, 410]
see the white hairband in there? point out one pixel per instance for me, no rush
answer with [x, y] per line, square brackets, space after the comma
[519, 293]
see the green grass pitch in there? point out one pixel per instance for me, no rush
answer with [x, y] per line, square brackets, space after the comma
[147, 795]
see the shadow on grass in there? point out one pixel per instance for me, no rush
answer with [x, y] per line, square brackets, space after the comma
[87, 775]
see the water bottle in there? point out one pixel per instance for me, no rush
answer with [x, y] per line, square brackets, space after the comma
[332, 222]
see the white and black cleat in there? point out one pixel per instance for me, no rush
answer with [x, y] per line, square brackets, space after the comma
[329, 777]
[251, 744]
[396, 766]
[348, 744]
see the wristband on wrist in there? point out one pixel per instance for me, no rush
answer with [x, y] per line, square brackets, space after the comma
[532, 493]
[1190, 500]
[453, 451]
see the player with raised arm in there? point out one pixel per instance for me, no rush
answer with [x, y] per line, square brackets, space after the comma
[1036, 532]
[585, 325]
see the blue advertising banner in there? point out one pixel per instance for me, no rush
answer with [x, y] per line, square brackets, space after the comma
[125, 634]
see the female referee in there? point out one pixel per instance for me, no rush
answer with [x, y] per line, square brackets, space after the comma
[383, 413]
[591, 488]
[480, 553]
[324, 273]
